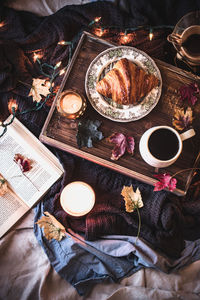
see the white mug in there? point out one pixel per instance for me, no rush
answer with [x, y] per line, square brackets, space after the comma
[160, 146]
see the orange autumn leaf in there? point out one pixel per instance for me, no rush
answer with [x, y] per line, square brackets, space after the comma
[182, 119]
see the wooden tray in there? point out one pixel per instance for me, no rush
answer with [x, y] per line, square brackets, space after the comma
[57, 130]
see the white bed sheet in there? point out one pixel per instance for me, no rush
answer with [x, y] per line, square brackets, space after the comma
[25, 273]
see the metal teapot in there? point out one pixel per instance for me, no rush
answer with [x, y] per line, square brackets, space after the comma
[186, 38]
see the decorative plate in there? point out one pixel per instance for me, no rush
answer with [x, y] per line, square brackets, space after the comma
[102, 64]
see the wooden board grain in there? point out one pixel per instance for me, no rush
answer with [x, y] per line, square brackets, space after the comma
[60, 132]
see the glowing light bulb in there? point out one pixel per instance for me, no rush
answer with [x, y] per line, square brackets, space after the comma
[12, 105]
[58, 64]
[62, 72]
[2, 24]
[62, 43]
[48, 84]
[36, 57]
[97, 19]
[150, 36]
[99, 32]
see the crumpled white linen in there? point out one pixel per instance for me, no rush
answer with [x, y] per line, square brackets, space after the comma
[25, 273]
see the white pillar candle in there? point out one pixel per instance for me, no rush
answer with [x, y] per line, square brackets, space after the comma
[77, 198]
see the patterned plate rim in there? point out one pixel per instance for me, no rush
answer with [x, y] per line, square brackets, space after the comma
[111, 112]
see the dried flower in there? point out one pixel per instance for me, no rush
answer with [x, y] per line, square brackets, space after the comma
[23, 162]
[133, 200]
[168, 181]
[165, 181]
[3, 186]
[189, 92]
[122, 143]
[182, 119]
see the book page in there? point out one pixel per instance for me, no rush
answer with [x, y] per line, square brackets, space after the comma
[30, 185]
[11, 210]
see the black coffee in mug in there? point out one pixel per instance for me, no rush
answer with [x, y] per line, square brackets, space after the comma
[163, 144]
[192, 45]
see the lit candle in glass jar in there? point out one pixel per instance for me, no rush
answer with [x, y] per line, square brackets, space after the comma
[71, 104]
[77, 198]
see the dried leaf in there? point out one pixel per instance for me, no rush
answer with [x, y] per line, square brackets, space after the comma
[132, 199]
[122, 143]
[23, 162]
[39, 88]
[3, 186]
[88, 132]
[182, 120]
[189, 93]
[165, 181]
[52, 228]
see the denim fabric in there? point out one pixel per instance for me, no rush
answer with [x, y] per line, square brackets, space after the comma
[110, 258]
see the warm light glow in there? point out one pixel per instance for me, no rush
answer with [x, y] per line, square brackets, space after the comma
[12, 104]
[58, 64]
[126, 38]
[71, 103]
[36, 57]
[62, 72]
[48, 84]
[62, 43]
[150, 36]
[0, 123]
[77, 198]
[2, 24]
[98, 31]
[97, 19]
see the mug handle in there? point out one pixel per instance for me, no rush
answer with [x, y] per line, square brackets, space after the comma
[174, 38]
[187, 134]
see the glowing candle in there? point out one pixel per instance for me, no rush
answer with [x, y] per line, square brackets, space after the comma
[71, 104]
[77, 198]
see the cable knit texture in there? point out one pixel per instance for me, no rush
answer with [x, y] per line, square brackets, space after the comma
[164, 216]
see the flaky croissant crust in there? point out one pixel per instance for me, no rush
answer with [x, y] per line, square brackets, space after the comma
[126, 83]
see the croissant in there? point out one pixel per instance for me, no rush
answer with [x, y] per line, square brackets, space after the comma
[126, 83]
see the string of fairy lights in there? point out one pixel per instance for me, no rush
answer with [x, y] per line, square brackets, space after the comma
[126, 36]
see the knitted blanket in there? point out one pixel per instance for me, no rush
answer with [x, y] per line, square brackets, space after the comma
[166, 220]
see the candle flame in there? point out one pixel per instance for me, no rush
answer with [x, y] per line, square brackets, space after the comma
[1, 123]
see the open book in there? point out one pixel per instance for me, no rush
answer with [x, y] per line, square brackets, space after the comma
[24, 188]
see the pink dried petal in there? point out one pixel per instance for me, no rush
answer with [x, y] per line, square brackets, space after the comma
[165, 181]
[116, 138]
[130, 144]
[23, 162]
[120, 145]
[189, 92]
